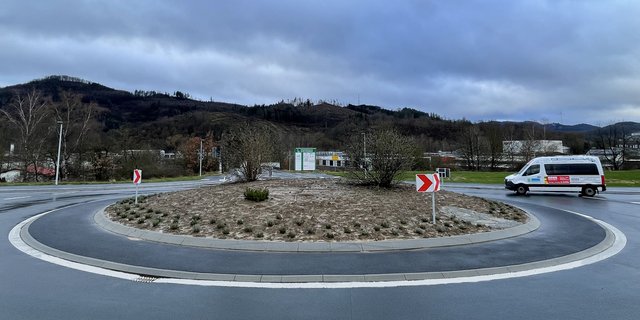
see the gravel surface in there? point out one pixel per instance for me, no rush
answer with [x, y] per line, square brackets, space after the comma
[314, 210]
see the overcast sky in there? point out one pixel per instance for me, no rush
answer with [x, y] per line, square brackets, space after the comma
[547, 61]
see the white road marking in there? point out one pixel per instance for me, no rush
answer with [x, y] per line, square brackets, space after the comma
[635, 202]
[619, 243]
[16, 241]
[16, 198]
[594, 198]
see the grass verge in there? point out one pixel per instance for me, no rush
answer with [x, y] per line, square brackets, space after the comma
[624, 178]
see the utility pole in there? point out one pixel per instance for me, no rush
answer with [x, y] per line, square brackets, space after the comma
[59, 147]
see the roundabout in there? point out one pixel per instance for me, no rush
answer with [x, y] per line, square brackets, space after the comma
[82, 235]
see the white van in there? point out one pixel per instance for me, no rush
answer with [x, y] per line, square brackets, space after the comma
[560, 173]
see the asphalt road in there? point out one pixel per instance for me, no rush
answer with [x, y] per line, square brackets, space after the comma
[33, 289]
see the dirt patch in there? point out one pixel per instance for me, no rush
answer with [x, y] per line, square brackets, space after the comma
[308, 210]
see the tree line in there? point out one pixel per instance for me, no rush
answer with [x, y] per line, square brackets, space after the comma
[106, 133]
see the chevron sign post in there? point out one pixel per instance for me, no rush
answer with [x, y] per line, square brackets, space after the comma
[137, 180]
[429, 182]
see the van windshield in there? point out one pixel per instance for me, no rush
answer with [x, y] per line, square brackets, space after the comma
[524, 168]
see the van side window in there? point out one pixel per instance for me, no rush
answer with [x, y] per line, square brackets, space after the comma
[571, 169]
[534, 169]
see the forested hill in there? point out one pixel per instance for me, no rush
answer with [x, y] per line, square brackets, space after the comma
[149, 119]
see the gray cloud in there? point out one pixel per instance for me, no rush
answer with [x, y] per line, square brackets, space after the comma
[482, 60]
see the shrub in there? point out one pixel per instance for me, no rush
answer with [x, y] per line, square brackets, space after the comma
[347, 230]
[155, 222]
[173, 226]
[212, 221]
[282, 230]
[385, 224]
[257, 194]
[248, 229]
[381, 169]
[310, 231]
[291, 235]
[376, 228]
[240, 222]
[299, 222]
[225, 231]
[260, 235]
[195, 229]
[270, 223]
[329, 235]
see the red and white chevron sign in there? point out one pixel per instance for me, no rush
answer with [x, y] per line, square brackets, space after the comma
[137, 176]
[427, 182]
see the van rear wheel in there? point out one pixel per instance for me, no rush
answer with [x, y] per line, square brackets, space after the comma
[589, 191]
[521, 189]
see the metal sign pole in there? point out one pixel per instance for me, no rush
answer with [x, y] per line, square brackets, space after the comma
[136, 202]
[433, 206]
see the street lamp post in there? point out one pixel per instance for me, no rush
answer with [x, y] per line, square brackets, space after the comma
[59, 148]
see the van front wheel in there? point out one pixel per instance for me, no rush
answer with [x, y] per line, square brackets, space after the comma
[589, 191]
[521, 189]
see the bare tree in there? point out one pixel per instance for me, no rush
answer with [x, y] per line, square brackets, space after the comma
[530, 144]
[28, 113]
[246, 147]
[509, 146]
[387, 154]
[472, 145]
[76, 117]
[613, 141]
[494, 135]
[190, 150]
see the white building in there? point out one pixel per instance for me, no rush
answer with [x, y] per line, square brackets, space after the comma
[331, 159]
[535, 146]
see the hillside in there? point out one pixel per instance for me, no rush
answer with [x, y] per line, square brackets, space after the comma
[156, 120]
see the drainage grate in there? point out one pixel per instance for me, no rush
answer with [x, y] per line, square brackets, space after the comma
[145, 279]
